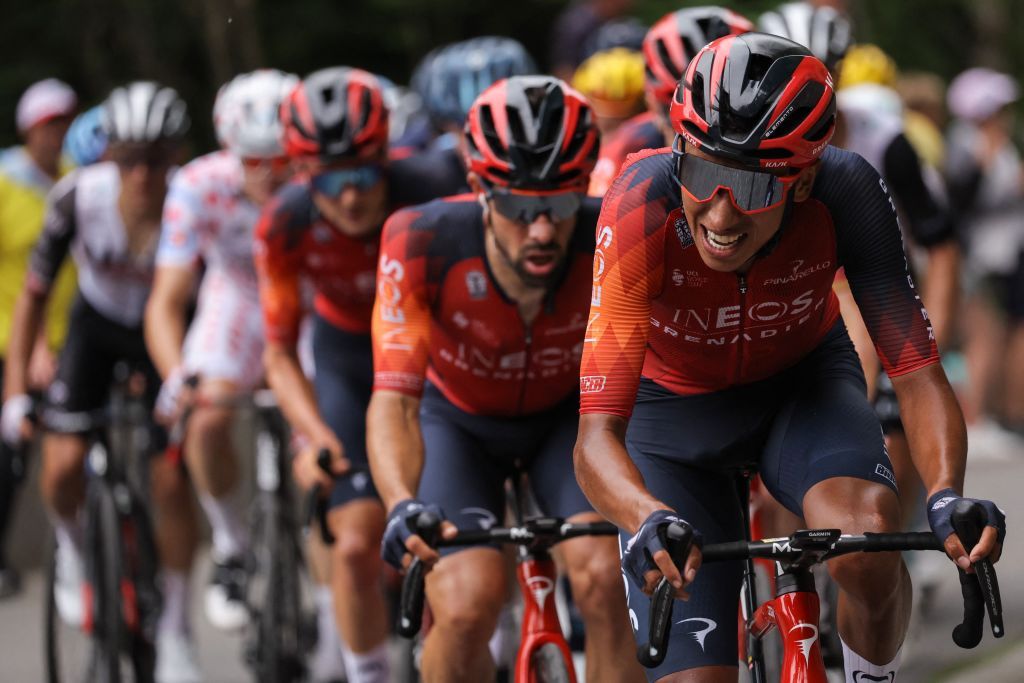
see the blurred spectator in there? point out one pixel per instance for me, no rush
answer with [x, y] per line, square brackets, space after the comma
[613, 82]
[627, 32]
[574, 27]
[26, 175]
[986, 184]
[924, 102]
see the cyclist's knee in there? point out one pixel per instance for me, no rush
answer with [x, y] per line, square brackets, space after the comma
[63, 458]
[595, 577]
[169, 484]
[210, 423]
[868, 576]
[466, 596]
[356, 554]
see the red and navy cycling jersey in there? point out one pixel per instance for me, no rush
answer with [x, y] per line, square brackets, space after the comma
[295, 244]
[658, 311]
[441, 315]
[639, 133]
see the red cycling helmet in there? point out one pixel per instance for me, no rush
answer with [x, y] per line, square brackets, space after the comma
[532, 133]
[336, 114]
[757, 99]
[673, 41]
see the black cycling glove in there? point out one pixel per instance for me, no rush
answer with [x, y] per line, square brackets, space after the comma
[402, 525]
[940, 514]
[638, 555]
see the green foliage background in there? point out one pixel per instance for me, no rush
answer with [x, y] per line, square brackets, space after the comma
[195, 45]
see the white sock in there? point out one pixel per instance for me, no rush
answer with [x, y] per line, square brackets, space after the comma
[860, 670]
[174, 617]
[368, 667]
[328, 662]
[69, 532]
[226, 525]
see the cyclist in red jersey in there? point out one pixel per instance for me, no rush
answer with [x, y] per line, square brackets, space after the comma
[715, 343]
[667, 49]
[477, 330]
[323, 229]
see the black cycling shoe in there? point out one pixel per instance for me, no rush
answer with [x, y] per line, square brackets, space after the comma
[225, 595]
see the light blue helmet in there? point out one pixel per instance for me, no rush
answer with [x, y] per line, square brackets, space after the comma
[450, 78]
[86, 141]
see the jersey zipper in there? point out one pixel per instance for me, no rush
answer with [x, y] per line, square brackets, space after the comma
[526, 369]
[741, 331]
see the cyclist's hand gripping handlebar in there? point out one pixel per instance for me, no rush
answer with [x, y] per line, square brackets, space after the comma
[979, 588]
[677, 539]
[410, 608]
[316, 504]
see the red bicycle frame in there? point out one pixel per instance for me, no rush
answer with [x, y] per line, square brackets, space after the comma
[537, 576]
[795, 614]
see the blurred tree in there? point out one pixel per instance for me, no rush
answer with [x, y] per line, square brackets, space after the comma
[195, 45]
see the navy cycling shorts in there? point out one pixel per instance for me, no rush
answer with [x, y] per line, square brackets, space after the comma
[469, 457]
[809, 423]
[343, 383]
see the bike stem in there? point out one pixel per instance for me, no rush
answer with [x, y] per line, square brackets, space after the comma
[794, 611]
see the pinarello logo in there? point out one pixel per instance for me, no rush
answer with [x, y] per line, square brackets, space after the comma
[540, 588]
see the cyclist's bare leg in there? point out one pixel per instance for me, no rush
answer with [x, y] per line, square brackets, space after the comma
[704, 674]
[177, 528]
[209, 448]
[874, 588]
[466, 591]
[62, 480]
[355, 574]
[213, 467]
[593, 567]
[907, 480]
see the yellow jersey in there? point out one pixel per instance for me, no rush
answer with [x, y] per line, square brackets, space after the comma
[23, 190]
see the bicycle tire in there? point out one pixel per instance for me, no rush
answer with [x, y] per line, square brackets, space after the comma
[548, 665]
[105, 546]
[66, 650]
[276, 648]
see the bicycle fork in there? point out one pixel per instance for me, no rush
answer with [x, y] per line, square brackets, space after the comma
[536, 575]
[794, 611]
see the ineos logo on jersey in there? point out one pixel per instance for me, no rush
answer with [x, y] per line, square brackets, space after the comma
[605, 236]
[389, 300]
[761, 320]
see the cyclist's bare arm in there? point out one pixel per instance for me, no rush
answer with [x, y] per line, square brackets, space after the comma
[26, 323]
[166, 316]
[941, 289]
[295, 395]
[935, 429]
[616, 489]
[394, 445]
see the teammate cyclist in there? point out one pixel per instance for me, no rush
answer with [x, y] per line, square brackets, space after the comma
[477, 331]
[715, 339]
[324, 229]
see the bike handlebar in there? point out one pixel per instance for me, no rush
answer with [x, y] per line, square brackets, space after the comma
[543, 532]
[816, 545]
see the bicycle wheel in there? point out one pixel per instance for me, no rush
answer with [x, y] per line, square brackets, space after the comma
[66, 650]
[103, 541]
[278, 633]
[548, 665]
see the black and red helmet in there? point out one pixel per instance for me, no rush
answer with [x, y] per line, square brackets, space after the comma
[757, 99]
[336, 114]
[673, 41]
[532, 133]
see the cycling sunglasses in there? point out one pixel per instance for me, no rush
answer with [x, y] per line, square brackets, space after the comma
[527, 208]
[750, 191]
[334, 181]
[150, 156]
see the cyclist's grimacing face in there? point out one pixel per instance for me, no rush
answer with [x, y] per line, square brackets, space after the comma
[535, 250]
[727, 238]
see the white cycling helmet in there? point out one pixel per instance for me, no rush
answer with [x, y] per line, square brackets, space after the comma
[144, 111]
[821, 29]
[246, 113]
